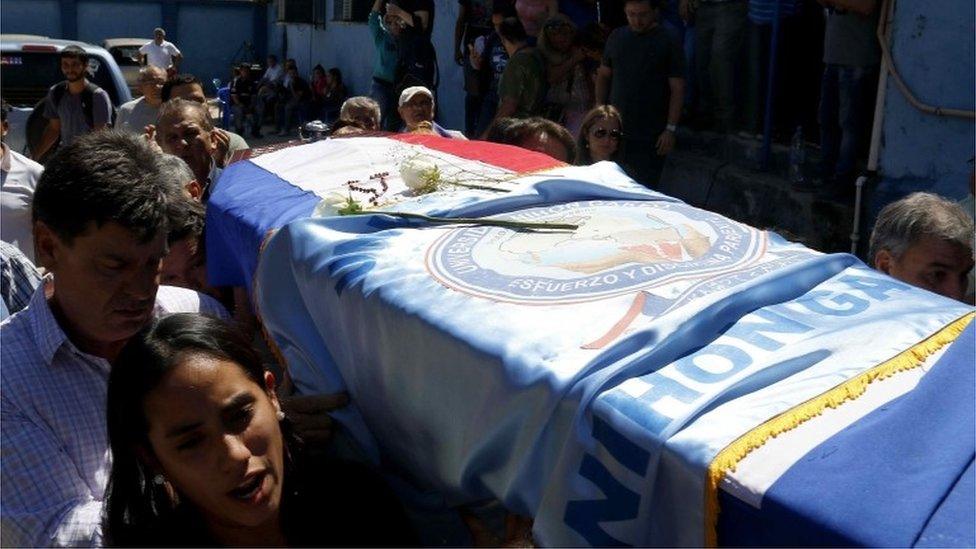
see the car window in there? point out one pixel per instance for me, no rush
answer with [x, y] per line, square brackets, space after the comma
[26, 76]
[126, 56]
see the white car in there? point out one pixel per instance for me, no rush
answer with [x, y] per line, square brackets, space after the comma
[30, 65]
[125, 51]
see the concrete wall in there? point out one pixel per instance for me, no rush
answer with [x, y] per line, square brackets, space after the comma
[348, 46]
[210, 33]
[933, 48]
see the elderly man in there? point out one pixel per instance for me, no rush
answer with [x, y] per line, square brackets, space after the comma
[185, 130]
[160, 53]
[187, 86]
[416, 108]
[927, 241]
[134, 116]
[100, 228]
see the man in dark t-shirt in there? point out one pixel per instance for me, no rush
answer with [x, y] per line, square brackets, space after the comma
[242, 88]
[522, 86]
[473, 22]
[642, 75]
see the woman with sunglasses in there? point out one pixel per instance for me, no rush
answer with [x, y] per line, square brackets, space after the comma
[599, 137]
[203, 455]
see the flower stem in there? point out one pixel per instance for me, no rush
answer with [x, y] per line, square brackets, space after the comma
[473, 220]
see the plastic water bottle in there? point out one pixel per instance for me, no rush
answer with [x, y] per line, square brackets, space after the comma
[797, 156]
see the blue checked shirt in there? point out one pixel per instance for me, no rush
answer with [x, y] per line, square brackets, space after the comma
[18, 278]
[53, 435]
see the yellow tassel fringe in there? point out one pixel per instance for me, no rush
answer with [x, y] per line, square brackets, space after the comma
[727, 460]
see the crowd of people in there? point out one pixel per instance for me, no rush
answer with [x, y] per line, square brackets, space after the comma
[137, 413]
[660, 63]
[282, 93]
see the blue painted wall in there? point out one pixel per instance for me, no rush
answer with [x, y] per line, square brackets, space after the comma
[125, 21]
[933, 48]
[210, 33]
[211, 36]
[348, 46]
[41, 17]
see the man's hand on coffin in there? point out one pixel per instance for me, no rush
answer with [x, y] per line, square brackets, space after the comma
[149, 134]
[222, 140]
[310, 416]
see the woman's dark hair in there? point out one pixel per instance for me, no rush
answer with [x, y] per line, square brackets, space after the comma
[506, 8]
[319, 68]
[511, 29]
[336, 75]
[514, 131]
[135, 506]
[601, 112]
[183, 79]
[505, 130]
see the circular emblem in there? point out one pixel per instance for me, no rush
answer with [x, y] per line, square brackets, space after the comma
[619, 247]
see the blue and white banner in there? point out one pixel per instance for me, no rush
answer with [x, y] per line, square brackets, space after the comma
[609, 380]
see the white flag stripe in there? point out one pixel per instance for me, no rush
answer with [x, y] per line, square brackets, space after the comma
[764, 466]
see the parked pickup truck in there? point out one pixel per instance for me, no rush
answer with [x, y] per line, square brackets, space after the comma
[30, 65]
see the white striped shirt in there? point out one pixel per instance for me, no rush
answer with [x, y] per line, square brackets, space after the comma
[53, 435]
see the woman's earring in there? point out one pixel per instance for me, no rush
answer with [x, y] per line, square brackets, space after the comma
[280, 415]
[159, 479]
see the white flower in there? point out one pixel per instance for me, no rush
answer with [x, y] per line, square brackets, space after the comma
[419, 173]
[331, 204]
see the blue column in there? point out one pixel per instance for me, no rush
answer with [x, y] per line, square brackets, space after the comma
[69, 19]
[260, 31]
[171, 19]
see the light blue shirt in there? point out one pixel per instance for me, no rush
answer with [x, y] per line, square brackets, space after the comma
[53, 435]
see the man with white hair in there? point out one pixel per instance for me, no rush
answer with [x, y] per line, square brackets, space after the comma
[160, 53]
[926, 241]
[134, 116]
[416, 108]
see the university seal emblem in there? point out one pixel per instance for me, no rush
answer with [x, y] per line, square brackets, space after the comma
[620, 247]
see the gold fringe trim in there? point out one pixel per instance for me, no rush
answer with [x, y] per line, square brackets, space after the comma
[727, 460]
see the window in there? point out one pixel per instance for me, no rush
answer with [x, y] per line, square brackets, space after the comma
[352, 11]
[310, 12]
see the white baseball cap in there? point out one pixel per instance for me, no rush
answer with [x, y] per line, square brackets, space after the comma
[408, 94]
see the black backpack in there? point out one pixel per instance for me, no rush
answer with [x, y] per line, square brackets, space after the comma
[87, 102]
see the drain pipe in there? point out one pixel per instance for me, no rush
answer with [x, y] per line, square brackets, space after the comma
[884, 34]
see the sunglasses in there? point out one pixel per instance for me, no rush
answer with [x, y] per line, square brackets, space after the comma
[601, 133]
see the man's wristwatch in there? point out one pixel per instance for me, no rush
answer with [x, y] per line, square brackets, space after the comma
[671, 128]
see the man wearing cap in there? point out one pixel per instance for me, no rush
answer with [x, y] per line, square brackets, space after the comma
[416, 108]
[160, 53]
